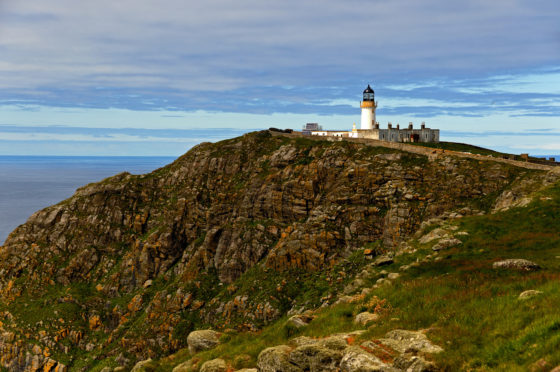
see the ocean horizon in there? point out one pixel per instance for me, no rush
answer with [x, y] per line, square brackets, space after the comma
[31, 183]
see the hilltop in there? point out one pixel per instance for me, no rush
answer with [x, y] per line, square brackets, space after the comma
[236, 235]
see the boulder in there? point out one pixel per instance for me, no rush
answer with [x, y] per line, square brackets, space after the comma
[383, 260]
[300, 320]
[412, 363]
[345, 300]
[446, 243]
[144, 366]
[276, 358]
[509, 199]
[529, 294]
[383, 281]
[356, 284]
[184, 367]
[356, 359]
[393, 276]
[316, 358]
[317, 355]
[302, 340]
[202, 340]
[365, 318]
[437, 233]
[214, 365]
[365, 291]
[409, 341]
[516, 264]
[379, 351]
[334, 342]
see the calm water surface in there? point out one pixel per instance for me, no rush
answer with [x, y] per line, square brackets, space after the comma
[30, 183]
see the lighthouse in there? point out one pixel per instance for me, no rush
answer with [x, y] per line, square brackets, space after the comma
[368, 106]
[370, 128]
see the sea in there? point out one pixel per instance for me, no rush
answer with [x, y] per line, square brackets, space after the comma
[31, 183]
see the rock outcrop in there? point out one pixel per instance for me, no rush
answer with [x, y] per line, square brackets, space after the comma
[446, 243]
[405, 341]
[202, 340]
[276, 358]
[133, 263]
[400, 350]
[300, 320]
[516, 264]
[214, 365]
[365, 318]
[143, 366]
[525, 295]
[357, 359]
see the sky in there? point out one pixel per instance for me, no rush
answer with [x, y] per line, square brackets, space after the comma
[139, 77]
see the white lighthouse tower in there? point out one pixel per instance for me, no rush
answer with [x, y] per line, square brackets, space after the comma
[368, 106]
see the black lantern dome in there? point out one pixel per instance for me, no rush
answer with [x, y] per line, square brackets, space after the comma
[369, 94]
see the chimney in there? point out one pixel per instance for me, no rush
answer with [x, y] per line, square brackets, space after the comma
[376, 125]
[423, 126]
[398, 126]
[410, 125]
[389, 125]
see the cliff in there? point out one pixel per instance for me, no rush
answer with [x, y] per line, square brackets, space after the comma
[232, 235]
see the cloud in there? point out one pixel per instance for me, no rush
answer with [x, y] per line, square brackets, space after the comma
[464, 66]
[102, 136]
[264, 57]
[528, 133]
[543, 146]
[76, 141]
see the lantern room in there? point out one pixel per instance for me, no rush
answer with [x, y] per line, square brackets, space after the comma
[369, 94]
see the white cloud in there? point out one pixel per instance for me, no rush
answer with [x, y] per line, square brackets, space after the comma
[48, 137]
[219, 44]
[540, 147]
[211, 62]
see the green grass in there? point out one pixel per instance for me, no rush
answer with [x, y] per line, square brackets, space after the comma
[471, 310]
[463, 147]
[249, 345]
[468, 308]
[460, 147]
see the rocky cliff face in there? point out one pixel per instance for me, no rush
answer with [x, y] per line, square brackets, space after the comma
[127, 266]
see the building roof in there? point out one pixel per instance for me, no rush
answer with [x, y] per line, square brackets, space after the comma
[368, 90]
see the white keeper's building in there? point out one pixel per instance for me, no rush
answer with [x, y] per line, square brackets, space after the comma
[369, 128]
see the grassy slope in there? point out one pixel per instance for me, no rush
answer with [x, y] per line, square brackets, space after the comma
[460, 147]
[469, 308]
[463, 147]
[474, 309]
